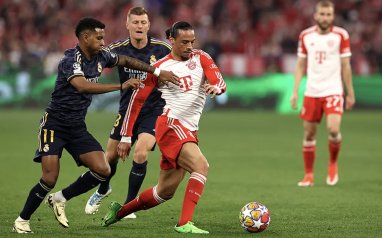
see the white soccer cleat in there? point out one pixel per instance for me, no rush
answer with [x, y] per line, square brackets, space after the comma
[131, 216]
[22, 227]
[94, 201]
[307, 181]
[332, 180]
[58, 209]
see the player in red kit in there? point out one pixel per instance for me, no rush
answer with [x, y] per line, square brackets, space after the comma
[324, 50]
[176, 129]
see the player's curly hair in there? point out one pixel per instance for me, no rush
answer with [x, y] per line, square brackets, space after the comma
[88, 23]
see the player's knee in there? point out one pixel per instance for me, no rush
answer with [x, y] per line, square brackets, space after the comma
[333, 131]
[140, 156]
[50, 180]
[103, 170]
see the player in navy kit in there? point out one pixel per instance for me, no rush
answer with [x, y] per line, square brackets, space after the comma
[63, 124]
[149, 50]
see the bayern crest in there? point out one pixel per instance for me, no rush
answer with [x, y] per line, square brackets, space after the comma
[191, 65]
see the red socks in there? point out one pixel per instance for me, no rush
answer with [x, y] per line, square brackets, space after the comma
[334, 149]
[309, 154]
[193, 192]
[147, 199]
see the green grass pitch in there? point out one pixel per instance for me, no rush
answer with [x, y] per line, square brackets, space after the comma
[253, 156]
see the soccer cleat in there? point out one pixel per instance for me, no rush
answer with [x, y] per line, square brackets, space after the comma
[22, 227]
[94, 201]
[58, 209]
[189, 227]
[332, 178]
[111, 216]
[131, 216]
[307, 181]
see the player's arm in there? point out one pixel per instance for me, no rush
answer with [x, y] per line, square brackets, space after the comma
[84, 86]
[348, 82]
[137, 100]
[163, 75]
[216, 84]
[298, 74]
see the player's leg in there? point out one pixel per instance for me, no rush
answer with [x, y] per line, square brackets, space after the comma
[335, 139]
[309, 153]
[142, 148]
[168, 182]
[192, 160]
[104, 189]
[50, 169]
[311, 115]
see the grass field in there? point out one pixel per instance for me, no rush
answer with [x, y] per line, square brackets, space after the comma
[253, 156]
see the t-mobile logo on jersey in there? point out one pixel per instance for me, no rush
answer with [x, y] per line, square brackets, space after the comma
[320, 56]
[185, 83]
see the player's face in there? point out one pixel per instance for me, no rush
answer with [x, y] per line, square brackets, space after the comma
[183, 44]
[95, 40]
[138, 26]
[324, 17]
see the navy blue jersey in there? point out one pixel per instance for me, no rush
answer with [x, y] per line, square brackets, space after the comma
[153, 51]
[67, 104]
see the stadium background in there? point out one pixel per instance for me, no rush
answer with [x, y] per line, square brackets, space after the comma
[251, 137]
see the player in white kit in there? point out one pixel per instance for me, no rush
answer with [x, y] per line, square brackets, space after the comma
[176, 129]
[325, 50]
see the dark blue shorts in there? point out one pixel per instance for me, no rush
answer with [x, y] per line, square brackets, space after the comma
[145, 123]
[54, 136]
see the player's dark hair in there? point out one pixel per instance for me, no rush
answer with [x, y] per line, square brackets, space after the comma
[167, 32]
[88, 23]
[180, 25]
[139, 11]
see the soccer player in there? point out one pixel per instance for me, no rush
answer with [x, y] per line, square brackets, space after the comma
[325, 50]
[63, 124]
[148, 50]
[176, 129]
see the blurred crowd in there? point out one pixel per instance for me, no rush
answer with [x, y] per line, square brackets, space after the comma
[34, 33]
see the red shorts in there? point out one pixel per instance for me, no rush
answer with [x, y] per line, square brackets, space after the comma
[171, 135]
[313, 108]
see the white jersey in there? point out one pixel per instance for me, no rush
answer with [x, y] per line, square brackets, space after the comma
[184, 102]
[324, 53]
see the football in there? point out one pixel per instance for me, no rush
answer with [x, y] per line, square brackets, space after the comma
[254, 217]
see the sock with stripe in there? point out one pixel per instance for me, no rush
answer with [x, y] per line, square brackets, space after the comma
[84, 183]
[309, 154]
[35, 197]
[104, 186]
[146, 200]
[192, 195]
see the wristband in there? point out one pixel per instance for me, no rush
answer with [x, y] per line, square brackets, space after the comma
[121, 88]
[126, 139]
[157, 72]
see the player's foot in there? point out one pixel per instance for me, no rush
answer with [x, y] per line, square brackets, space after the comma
[58, 209]
[307, 181]
[131, 216]
[111, 216]
[189, 227]
[95, 201]
[22, 227]
[332, 178]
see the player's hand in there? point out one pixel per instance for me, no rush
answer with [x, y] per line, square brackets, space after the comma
[131, 83]
[350, 101]
[123, 150]
[166, 77]
[211, 89]
[293, 102]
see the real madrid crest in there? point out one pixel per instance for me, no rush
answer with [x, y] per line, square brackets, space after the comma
[46, 148]
[152, 59]
[99, 67]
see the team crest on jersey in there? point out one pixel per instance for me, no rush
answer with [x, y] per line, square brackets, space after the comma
[331, 43]
[99, 67]
[191, 65]
[46, 148]
[77, 68]
[152, 59]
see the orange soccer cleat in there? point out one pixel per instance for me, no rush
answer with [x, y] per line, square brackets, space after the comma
[307, 181]
[332, 178]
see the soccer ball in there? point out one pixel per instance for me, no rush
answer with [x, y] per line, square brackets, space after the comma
[254, 217]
